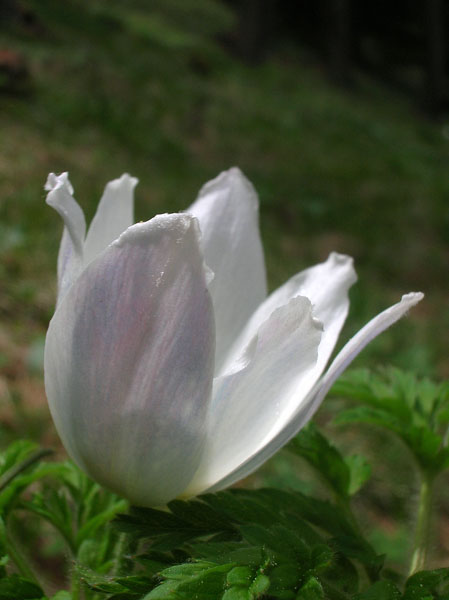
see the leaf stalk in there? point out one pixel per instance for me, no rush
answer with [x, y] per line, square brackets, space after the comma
[423, 522]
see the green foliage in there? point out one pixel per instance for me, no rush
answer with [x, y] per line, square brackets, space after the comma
[428, 585]
[381, 590]
[19, 469]
[344, 475]
[265, 544]
[19, 588]
[284, 542]
[417, 411]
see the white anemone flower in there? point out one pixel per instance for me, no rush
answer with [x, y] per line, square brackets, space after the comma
[168, 370]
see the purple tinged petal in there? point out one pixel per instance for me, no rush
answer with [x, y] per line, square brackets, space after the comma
[129, 362]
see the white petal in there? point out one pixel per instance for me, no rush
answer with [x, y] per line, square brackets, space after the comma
[326, 285]
[249, 404]
[308, 408]
[115, 213]
[227, 210]
[70, 257]
[129, 362]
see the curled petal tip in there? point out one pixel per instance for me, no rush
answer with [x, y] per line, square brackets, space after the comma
[340, 259]
[412, 297]
[346, 262]
[56, 182]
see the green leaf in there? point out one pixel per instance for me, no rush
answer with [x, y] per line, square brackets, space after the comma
[311, 445]
[18, 588]
[423, 443]
[168, 530]
[62, 595]
[311, 590]
[134, 584]
[427, 585]
[201, 581]
[360, 472]
[359, 549]
[259, 586]
[413, 409]
[371, 416]
[55, 508]
[237, 593]
[16, 453]
[381, 590]
[240, 576]
[98, 520]
[373, 390]
[282, 542]
[240, 553]
[285, 577]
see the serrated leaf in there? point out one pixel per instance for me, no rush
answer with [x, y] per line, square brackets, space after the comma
[359, 549]
[135, 583]
[372, 390]
[281, 542]
[371, 416]
[424, 444]
[201, 581]
[98, 520]
[414, 409]
[240, 553]
[199, 515]
[55, 508]
[186, 570]
[311, 445]
[242, 506]
[169, 530]
[360, 472]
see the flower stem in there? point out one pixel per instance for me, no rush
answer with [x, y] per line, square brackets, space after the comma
[421, 541]
[75, 584]
[119, 557]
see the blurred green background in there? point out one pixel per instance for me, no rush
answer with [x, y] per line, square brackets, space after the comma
[172, 91]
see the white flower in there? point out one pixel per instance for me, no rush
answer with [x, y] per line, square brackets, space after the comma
[165, 383]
